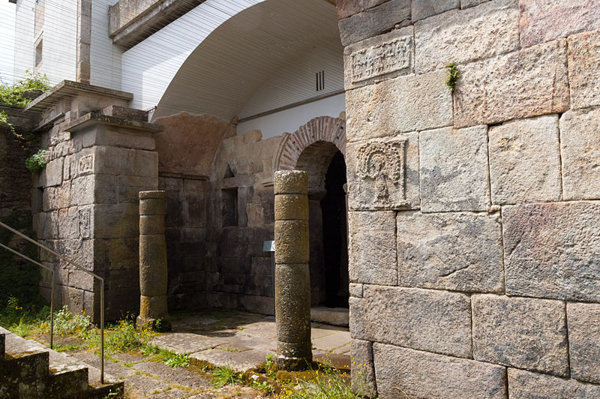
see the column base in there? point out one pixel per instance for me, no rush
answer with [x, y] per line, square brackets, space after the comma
[158, 325]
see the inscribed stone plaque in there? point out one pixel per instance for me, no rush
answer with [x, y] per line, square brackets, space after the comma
[391, 53]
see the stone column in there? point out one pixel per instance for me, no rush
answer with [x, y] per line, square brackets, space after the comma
[292, 275]
[153, 261]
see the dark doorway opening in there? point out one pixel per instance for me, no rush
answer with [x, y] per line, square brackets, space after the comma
[335, 234]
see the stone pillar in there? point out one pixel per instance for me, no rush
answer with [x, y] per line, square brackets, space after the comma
[292, 275]
[153, 261]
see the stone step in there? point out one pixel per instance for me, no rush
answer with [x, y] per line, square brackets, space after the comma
[333, 316]
[42, 372]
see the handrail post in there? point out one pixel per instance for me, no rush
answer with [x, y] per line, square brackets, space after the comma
[52, 311]
[102, 331]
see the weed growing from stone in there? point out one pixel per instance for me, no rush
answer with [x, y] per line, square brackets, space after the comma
[169, 358]
[23, 92]
[225, 375]
[453, 76]
[37, 161]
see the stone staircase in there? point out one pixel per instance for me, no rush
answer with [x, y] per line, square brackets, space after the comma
[30, 370]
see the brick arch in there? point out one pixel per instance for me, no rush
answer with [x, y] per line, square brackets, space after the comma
[320, 129]
[311, 148]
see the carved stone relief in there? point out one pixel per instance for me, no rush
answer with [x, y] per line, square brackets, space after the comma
[86, 164]
[391, 56]
[383, 164]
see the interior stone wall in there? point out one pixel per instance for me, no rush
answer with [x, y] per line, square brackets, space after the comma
[474, 240]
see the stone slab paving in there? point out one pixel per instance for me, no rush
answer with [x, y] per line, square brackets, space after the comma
[242, 341]
[237, 340]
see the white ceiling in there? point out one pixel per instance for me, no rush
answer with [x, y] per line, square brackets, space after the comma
[251, 49]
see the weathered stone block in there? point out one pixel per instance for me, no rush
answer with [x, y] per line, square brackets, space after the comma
[425, 8]
[406, 373]
[374, 20]
[362, 368]
[82, 190]
[551, 250]
[384, 173]
[292, 305]
[584, 68]
[545, 20]
[346, 8]
[454, 170]
[526, 385]
[356, 290]
[453, 251]
[483, 95]
[520, 332]
[53, 172]
[378, 58]
[462, 36]
[291, 207]
[116, 221]
[525, 161]
[413, 103]
[290, 182]
[434, 321]
[291, 241]
[372, 247]
[471, 3]
[584, 341]
[579, 136]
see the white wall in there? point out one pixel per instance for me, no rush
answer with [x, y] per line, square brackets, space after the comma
[104, 57]
[7, 41]
[59, 35]
[296, 81]
[24, 51]
[288, 121]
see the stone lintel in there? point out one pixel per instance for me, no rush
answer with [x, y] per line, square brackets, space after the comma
[69, 88]
[130, 22]
[96, 117]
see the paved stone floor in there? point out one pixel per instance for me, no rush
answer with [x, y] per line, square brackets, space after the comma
[238, 340]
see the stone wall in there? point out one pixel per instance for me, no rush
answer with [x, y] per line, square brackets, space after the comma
[99, 157]
[18, 277]
[474, 216]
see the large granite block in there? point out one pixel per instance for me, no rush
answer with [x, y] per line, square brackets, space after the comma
[406, 373]
[584, 341]
[412, 103]
[584, 68]
[346, 8]
[553, 250]
[372, 247]
[384, 173]
[433, 321]
[521, 332]
[462, 36]
[453, 251]
[545, 20]
[526, 385]
[374, 20]
[363, 372]
[454, 170]
[471, 3]
[425, 8]
[525, 161]
[521, 84]
[579, 138]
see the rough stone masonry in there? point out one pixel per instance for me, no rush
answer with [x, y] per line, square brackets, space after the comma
[475, 264]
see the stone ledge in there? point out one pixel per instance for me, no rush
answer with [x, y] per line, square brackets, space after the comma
[97, 117]
[69, 88]
[127, 30]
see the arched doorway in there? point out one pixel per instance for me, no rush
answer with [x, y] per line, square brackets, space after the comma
[318, 147]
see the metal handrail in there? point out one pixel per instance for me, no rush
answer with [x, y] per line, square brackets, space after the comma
[51, 289]
[62, 257]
